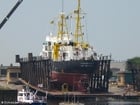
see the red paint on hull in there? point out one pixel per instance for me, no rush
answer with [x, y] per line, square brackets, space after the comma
[72, 79]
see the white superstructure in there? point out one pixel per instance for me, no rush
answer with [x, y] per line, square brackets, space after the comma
[66, 45]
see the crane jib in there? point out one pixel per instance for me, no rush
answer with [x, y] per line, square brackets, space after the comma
[10, 13]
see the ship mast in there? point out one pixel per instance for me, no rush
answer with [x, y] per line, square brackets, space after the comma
[62, 28]
[78, 31]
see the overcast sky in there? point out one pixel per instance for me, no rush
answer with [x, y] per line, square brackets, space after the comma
[113, 26]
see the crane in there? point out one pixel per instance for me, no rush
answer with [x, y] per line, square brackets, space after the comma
[10, 13]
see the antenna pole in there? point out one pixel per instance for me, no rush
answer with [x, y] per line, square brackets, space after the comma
[62, 5]
[78, 31]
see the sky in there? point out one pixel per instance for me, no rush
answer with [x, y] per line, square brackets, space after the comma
[113, 26]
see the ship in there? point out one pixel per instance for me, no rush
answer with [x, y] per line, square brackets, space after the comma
[25, 96]
[67, 61]
[73, 57]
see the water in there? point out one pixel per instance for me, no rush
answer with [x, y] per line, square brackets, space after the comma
[7, 97]
[94, 102]
[102, 101]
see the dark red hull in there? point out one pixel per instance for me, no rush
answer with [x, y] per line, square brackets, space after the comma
[76, 80]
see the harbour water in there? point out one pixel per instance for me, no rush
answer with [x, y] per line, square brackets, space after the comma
[100, 101]
[10, 96]
[91, 101]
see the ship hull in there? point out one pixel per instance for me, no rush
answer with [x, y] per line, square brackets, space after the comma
[75, 66]
[73, 73]
[74, 81]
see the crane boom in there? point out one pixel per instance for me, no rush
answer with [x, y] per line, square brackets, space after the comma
[10, 13]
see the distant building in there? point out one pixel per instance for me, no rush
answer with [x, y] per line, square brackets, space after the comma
[3, 72]
[9, 73]
[13, 73]
[124, 78]
[120, 75]
[116, 67]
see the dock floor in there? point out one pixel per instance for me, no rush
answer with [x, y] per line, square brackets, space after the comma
[114, 92]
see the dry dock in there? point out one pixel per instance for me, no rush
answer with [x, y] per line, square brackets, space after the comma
[114, 92]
